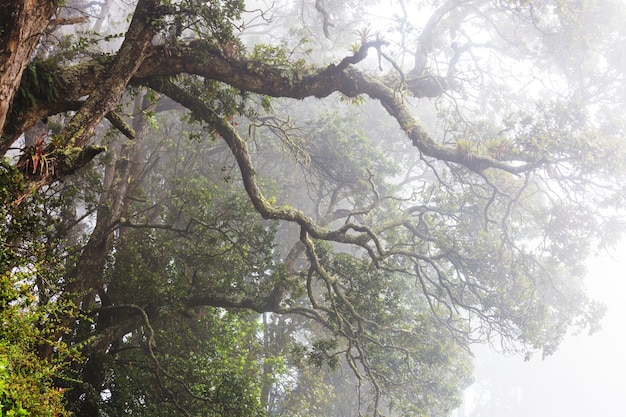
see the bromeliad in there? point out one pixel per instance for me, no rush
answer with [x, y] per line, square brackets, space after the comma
[39, 158]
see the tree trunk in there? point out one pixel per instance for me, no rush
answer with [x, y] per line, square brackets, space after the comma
[22, 22]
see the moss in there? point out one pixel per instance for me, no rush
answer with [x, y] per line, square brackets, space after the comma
[68, 160]
[38, 82]
[71, 153]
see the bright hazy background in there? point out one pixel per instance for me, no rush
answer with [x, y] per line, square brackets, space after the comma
[586, 377]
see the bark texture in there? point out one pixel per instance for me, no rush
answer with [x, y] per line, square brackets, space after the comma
[22, 22]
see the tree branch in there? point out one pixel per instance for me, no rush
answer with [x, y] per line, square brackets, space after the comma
[326, 23]
[252, 76]
[123, 67]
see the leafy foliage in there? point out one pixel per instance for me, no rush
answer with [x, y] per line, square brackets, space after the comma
[258, 238]
[27, 383]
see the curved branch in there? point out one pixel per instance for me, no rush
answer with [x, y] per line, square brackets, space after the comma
[292, 83]
[239, 148]
[326, 23]
[252, 76]
[358, 56]
[269, 304]
[425, 40]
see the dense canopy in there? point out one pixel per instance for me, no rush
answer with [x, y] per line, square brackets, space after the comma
[249, 208]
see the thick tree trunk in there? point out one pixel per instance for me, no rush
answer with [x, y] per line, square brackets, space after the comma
[22, 22]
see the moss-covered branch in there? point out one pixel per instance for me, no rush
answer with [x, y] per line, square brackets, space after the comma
[104, 79]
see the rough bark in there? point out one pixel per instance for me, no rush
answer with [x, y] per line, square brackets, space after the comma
[71, 151]
[22, 22]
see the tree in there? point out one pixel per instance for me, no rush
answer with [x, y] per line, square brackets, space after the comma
[29, 311]
[456, 206]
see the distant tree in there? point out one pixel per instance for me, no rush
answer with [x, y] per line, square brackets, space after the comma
[169, 177]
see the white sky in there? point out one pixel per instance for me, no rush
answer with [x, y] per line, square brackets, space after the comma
[585, 377]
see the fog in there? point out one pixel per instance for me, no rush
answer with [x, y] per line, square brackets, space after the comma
[585, 377]
[322, 232]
